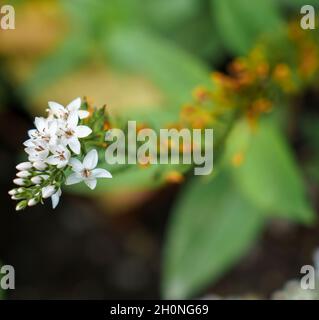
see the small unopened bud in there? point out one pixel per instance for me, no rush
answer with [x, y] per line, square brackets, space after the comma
[13, 192]
[36, 179]
[48, 191]
[19, 182]
[23, 174]
[21, 205]
[21, 190]
[32, 202]
[39, 165]
[24, 166]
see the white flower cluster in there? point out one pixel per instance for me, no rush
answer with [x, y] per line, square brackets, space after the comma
[50, 148]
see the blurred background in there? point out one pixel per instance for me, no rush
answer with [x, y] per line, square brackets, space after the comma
[138, 57]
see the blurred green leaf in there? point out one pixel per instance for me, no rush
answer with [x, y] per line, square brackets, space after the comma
[97, 17]
[167, 14]
[270, 177]
[240, 22]
[212, 226]
[171, 68]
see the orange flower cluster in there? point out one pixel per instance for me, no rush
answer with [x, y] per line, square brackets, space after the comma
[253, 84]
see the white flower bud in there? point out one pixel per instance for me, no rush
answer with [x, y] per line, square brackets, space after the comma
[21, 190]
[24, 166]
[39, 165]
[21, 205]
[48, 191]
[36, 179]
[16, 197]
[13, 192]
[23, 174]
[32, 202]
[19, 182]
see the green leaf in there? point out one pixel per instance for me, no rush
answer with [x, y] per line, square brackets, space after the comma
[269, 175]
[240, 22]
[170, 67]
[212, 226]
[167, 14]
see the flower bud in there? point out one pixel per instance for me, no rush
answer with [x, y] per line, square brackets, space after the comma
[23, 174]
[21, 205]
[39, 165]
[36, 179]
[19, 182]
[24, 166]
[13, 192]
[48, 191]
[32, 202]
[21, 190]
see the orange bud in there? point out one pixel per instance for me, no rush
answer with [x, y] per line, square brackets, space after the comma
[237, 159]
[174, 177]
[262, 105]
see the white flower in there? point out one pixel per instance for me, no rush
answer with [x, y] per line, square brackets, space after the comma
[23, 174]
[13, 192]
[46, 131]
[62, 112]
[19, 182]
[37, 150]
[32, 202]
[24, 166]
[48, 191]
[56, 198]
[39, 179]
[86, 171]
[39, 165]
[60, 156]
[72, 132]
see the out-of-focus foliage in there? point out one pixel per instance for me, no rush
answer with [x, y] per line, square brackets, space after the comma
[264, 172]
[212, 227]
[240, 22]
[119, 31]
[268, 159]
[164, 49]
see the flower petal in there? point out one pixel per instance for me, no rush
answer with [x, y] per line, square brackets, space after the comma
[82, 131]
[73, 179]
[53, 127]
[91, 183]
[56, 108]
[75, 145]
[74, 105]
[56, 198]
[48, 191]
[32, 133]
[83, 114]
[73, 120]
[53, 160]
[39, 165]
[101, 173]
[90, 160]
[76, 165]
[40, 123]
